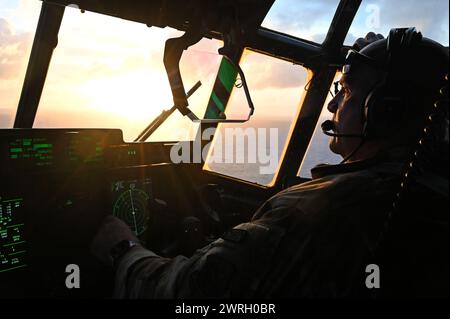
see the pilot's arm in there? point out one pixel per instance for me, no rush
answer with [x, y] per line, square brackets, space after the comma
[299, 243]
[233, 265]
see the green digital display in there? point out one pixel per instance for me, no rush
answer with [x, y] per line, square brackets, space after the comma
[65, 151]
[131, 200]
[84, 149]
[36, 149]
[12, 242]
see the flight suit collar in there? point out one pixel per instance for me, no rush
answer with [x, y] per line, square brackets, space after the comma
[396, 157]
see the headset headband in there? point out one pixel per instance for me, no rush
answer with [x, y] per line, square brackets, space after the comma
[399, 40]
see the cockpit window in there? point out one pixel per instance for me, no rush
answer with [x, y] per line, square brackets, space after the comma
[318, 150]
[105, 73]
[308, 20]
[252, 151]
[109, 73]
[200, 62]
[379, 16]
[18, 21]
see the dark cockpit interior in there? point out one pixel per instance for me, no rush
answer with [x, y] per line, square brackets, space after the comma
[57, 185]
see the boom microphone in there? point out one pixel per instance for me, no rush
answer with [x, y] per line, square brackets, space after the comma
[328, 126]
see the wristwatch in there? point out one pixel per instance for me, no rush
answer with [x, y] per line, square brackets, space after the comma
[120, 249]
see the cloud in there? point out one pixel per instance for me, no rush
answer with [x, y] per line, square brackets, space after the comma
[264, 72]
[311, 20]
[5, 29]
[6, 117]
[13, 50]
[430, 17]
[301, 16]
[302, 19]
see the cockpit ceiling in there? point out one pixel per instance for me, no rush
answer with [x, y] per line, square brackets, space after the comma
[179, 14]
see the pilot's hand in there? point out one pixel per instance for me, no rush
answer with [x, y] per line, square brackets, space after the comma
[360, 43]
[111, 232]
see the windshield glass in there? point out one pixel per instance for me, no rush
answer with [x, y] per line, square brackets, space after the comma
[379, 16]
[252, 151]
[308, 20]
[18, 21]
[109, 73]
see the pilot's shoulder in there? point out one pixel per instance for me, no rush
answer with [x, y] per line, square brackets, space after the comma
[336, 183]
[330, 192]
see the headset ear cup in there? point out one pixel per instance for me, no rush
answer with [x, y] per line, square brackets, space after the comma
[371, 108]
[382, 112]
[383, 107]
[395, 40]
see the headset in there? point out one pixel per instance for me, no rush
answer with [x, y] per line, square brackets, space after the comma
[383, 106]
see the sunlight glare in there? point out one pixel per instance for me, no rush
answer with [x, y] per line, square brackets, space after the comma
[134, 95]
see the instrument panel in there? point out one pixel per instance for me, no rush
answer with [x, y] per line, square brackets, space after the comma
[57, 186]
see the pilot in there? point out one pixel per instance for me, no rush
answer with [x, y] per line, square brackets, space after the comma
[338, 234]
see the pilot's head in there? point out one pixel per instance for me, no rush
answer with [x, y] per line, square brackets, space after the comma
[388, 89]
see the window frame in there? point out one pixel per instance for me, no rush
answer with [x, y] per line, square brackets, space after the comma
[321, 60]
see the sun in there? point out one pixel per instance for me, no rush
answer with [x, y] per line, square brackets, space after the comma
[136, 95]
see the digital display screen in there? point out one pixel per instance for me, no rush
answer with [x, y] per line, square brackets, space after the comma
[12, 241]
[38, 150]
[85, 149]
[131, 203]
[42, 150]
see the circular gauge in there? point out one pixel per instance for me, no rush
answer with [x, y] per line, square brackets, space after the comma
[132, 207]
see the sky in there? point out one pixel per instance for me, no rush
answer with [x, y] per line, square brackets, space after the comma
[108, 72]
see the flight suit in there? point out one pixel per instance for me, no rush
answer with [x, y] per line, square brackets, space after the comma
[311, 240]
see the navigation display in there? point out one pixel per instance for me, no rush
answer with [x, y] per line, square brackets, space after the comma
[131, 200]
[12, 242]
